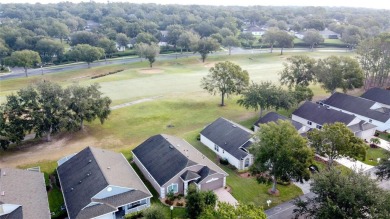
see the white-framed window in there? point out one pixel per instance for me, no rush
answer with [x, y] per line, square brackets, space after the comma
[308, 122]
[246, 162]
[319, 126]
[173, 188]
[216, 147]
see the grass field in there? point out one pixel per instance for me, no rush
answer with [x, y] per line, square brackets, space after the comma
[373, 154]
[183, 106]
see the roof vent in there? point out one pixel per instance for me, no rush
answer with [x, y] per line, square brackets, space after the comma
[234, 126]
[88, 174]
[71, 189]
[171, 146]
[4, 173]
[89, 161]
[225, 142]
[108, 167]
[3, 193]
[80, 182]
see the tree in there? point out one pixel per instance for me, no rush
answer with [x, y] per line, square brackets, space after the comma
[281, 152]
[205, 46]
[226, 78]
[313, 38]
[299, 70]
[83, 37]
[186, 39]
[58, 29]
[265, 96]
[154, 212]
[49, 48]
[146, 38]
[270, 37]
[284, 40]
[314, 23]
[339, 72]
[336, 141]
[383, 169]
[86, 104]
[24, 58]
[374, 57]
[86, 53]
[198, 201]
[4, 50]
[48, 108]
[228, 211]
[122, 40]
[302, 93]
[149, 52]
[229, 42]
[248, 39]
[352, 36]
[108, 46]
[174, 32]
[344, 195]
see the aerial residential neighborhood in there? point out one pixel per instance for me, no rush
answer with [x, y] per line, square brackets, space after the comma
[194, 110]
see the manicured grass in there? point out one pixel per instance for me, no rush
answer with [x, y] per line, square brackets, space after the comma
[384, 136]
[54, 195]
[373, 154]
[333, 41]
[247, 190]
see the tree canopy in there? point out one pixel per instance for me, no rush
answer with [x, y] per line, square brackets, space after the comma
[25, 59]
[313, 38]
[205, 46]
[335, 141]
[225, 78]
[228, 211]
[86, 53]
[299, 70]
[339, 72]
[344, 195]
[281, 152]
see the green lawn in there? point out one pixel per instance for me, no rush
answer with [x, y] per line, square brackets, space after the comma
[373, 154]
[384, 136]
[247, 190]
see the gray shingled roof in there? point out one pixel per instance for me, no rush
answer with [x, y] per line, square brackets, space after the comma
[378, 95]
[204, 172]
[89, 172]
[356, 105]
[228, 135]
[164, 156]
[361, 126]
[189, 175]
[321, 114]
[15, 214]
[27, 189]
[274, 117]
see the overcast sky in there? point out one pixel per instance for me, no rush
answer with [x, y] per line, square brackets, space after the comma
[379, 4]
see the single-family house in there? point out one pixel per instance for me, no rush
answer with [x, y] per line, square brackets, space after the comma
[256, 30]
[274, 117]
[171, 164]
[99, 183]
[328, 34]
[378, 95]
[23, 195]
[364, 109]
[315, 116]
[229, 141]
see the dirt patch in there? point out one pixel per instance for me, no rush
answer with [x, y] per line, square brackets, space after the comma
[151, 71]
[60, 146]
[209, 65]
[246, 175]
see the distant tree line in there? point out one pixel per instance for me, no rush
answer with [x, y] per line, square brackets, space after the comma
[46, 108]
[44, 28]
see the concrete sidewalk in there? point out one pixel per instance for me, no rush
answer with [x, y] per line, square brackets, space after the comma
[384, 144]
[354, 164]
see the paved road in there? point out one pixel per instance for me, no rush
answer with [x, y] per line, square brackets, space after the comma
[19, 72]
[285, 210]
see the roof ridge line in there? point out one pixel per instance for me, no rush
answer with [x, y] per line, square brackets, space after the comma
[100, 167]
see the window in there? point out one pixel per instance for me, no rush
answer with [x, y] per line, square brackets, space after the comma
[308, 122]
[173, 188]
[136, 204]
[216, 148]
[247, 162]
[370, 120]
[319, 126]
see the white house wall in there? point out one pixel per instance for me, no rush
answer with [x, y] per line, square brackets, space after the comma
[221, 153]
[367, 134]
[304, 121]
[381, 126]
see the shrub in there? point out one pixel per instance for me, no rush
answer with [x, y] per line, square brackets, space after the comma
[180, 204]
[223, 161]
[263, 179]
[134, 215]
[154, 212]
[171, 196]
[168, 202]
[198, 137]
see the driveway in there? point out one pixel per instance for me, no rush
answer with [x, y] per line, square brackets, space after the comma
[384, 144]
[225, 196]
